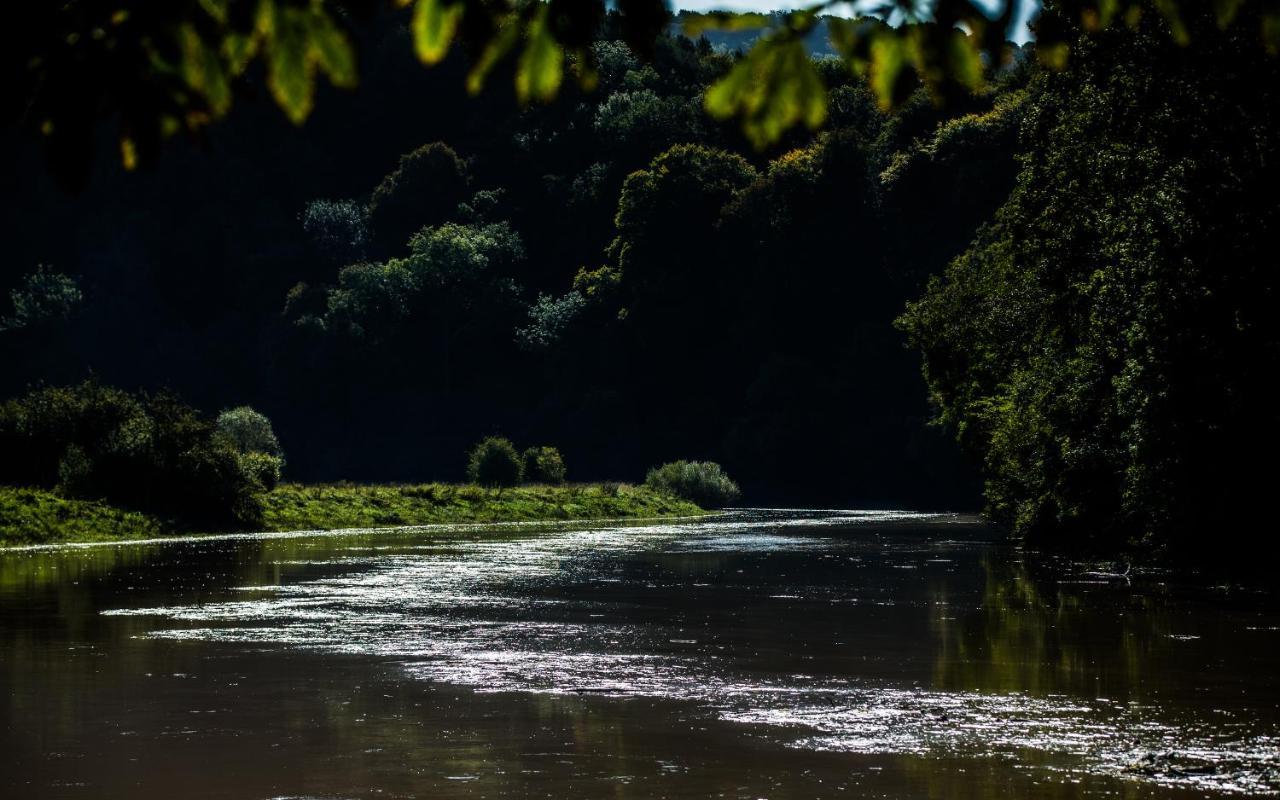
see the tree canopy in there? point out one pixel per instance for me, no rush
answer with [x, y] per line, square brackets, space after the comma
[1106, 343]
[161, 68]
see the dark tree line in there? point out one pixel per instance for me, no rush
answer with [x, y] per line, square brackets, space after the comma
[1086, 250]
[1109, 342]
[614, 271]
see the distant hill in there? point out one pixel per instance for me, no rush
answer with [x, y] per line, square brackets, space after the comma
[818, 42]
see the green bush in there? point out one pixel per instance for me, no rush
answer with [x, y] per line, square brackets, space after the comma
[263, 468]
[250, 431]
[702, 482]
[543, 465]
[150, 453]
[494, 462]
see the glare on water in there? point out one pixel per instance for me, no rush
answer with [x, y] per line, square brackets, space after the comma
[819, 652]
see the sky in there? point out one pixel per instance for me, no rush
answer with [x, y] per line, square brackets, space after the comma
[1028, 7]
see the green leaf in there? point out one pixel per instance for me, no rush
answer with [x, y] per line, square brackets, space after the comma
[434, 25]
[540, 69]
[890, 54]
[964, 61]
[501, 43]
[332, 50]
[239, 49]
[1107, 11]
[843, 34]
[290, 68]
[1173, 17]
[772, 89]
[215, 8]
[203, 70]
[1226, 11]
[1271, 32]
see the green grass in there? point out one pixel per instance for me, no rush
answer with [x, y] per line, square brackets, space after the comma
[35, 516]
[295, 506]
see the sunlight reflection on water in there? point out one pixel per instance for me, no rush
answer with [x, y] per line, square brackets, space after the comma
[556, 613]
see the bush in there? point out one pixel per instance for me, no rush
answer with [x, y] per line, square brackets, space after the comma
[250, 431]
[494, 462]
[150, 453]
[263, 468]
[702, 482]
[543, 465]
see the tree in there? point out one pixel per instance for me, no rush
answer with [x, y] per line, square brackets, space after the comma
[44, 296]
[337, 229]
[1106, 344]
[425, 189]
[249, 430]
[543, 465]
[494, 462]
[165, 68]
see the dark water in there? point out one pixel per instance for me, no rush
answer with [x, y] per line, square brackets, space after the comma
[764, 655]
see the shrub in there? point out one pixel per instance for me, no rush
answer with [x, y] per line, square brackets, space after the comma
[150, 453]
[263, 468]
[494, 462]
[543, 465]
[75, 470]
[250, 431]
[702, 482]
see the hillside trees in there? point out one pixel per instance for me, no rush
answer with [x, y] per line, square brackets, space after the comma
[1106, 343]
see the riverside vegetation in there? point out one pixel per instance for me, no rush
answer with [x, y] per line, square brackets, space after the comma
[1081, 263]
[88, 463]
[43, 516]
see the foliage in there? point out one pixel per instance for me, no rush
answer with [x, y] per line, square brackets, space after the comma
[665, 214]
[171, 67]
[451, 277]
[744, 308]
[494, 462]
[44, 296]
[264, 468]
[549, 317]
[425, 189]
[39, 516]
[772, 89]
[337, 229]
[326, 506]
[543, 465]
[647, 120]
[163, 68]
[149, 453]
[249, 430]
[1106, 343]
[701, 482]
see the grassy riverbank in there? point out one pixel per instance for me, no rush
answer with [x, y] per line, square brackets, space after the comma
[35, 516]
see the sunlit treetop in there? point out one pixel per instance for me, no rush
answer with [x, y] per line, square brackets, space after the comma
[163, 67]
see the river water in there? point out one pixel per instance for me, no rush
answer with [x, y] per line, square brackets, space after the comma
[763, 654]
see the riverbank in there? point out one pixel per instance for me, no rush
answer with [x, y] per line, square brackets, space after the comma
[37, 516]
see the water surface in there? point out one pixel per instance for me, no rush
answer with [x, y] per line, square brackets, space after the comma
[759, 655]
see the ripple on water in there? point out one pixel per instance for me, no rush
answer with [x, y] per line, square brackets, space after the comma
[461, 615]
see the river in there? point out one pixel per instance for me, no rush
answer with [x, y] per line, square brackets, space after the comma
[760, 654]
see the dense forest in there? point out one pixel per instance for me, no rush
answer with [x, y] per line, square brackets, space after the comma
[1079, 253]
[614, 272]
